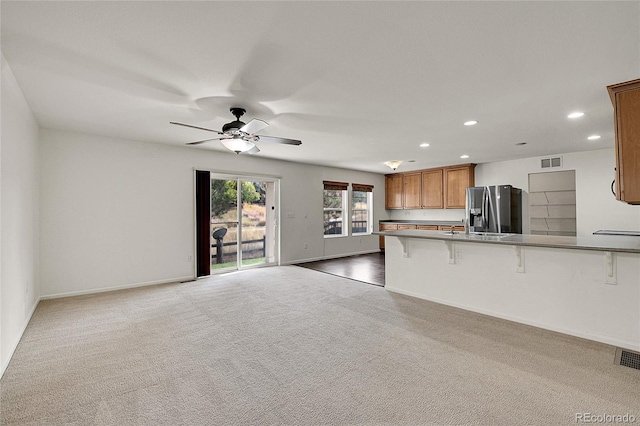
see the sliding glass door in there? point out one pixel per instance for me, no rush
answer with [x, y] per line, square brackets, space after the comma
[243, 222]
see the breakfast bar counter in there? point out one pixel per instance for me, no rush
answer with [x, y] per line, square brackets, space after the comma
[583, 286]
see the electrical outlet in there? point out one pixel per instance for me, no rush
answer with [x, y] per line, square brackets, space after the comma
[190, 258]
[458, 254]
[306, 246]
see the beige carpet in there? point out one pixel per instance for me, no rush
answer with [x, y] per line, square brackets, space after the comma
[288, 345]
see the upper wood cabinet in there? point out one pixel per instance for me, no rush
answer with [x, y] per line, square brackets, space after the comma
[412, 191]
[625, 98]
[393, 188]
[444, 187]
[457, 179]
[432, 189]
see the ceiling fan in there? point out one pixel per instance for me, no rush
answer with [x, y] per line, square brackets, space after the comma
[240, 137]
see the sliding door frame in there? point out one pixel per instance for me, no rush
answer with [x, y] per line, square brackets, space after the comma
[239, 177]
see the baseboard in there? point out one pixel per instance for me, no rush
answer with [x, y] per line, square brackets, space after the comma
[592, 337]
[4, 366]
[335, 256]
[121, 287]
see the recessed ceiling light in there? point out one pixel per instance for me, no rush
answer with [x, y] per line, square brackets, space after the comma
[464, 156]
[593, 137]
[424, 145]
[575, 114]
[521, 143]
[470, 123]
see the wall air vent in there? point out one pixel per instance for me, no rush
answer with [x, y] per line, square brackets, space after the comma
[547, 163]
[627, 358]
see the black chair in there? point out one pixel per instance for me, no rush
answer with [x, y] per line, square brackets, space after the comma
[218, 235]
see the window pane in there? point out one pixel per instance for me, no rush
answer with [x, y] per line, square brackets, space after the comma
[360, 212]
[333, 212]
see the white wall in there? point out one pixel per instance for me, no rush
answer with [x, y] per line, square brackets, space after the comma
[119, 213]
[19, 211]
[596, 206]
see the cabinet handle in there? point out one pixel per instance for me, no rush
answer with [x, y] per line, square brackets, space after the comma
[613, 182]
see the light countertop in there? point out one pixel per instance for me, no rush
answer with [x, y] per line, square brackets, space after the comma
[613, 243]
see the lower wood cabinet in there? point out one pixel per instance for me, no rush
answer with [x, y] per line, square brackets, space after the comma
[407, 226]
[428, 227]
[386, 227]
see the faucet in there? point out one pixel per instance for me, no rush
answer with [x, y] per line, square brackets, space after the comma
[452, 228]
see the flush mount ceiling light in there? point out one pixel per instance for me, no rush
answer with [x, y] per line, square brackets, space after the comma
[424, 145]
[471, 123]
[393, 164]
[464, 156]
[575, 114]
[593, 137]
[237, 145]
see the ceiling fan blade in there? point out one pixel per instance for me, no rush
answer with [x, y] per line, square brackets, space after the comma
[196, 127]
[273, 139]
[254, 126]
[253, 150]
[205, 140]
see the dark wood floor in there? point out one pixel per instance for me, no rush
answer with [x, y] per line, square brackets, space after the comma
[367, 268]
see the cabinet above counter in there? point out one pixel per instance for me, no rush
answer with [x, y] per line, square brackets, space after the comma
[437, 188]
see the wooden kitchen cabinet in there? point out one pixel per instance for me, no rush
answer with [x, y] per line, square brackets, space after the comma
[456, 181]
[443, 187]
[412, 190]
[407, 226]
[393, 187]
[456, 228]
[625, 98]
[432, 189]
[386, 227]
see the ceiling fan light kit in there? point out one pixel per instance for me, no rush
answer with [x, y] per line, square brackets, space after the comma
[240, 137]
[237, 145]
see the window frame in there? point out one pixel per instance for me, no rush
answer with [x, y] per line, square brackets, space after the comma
[368, 190]
[344, 208]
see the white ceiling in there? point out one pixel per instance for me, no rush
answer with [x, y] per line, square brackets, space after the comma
[359, 83]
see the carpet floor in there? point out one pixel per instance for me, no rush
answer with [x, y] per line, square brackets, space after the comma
[292, 346]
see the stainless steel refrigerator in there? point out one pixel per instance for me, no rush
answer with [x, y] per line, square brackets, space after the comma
[494, 209]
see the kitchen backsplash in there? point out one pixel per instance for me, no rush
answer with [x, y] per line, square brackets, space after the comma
[427, 214]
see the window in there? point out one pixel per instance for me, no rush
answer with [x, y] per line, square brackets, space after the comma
[361, 209]
[334, 208]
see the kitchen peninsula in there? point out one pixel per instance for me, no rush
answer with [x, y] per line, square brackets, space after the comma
[583, 286]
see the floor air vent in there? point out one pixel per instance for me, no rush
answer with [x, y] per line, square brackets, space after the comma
[628, 358]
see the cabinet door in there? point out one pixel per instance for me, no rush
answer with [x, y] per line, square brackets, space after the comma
[628, 146]
[406, 226]
[457, 228]
[432, 189]
[457, 179]
[412, 190]
[393, 191]
[428, 227]
[385, 227]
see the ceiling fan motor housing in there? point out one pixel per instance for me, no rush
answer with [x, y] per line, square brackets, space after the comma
[234, 125]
